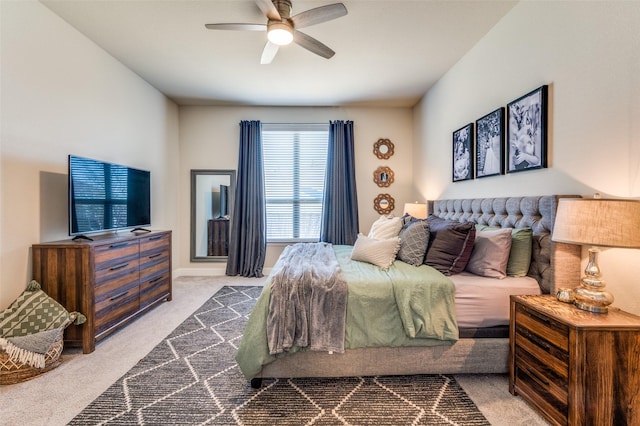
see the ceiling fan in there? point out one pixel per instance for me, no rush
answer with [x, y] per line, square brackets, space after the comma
[282, 28]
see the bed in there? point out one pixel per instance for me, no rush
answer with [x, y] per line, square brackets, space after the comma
[482, 343]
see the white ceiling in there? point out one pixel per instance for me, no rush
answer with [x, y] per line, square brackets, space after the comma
[387, 52]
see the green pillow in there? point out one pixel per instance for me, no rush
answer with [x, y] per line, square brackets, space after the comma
[520, 253]
[33, 311]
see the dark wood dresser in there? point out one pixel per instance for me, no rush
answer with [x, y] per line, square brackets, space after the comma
[218, 237]
[111, 280]
[575, 367]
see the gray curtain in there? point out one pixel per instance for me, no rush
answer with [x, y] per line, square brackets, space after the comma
[340, 203]
[248, 242]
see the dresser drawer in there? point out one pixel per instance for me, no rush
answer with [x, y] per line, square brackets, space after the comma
[116, 304]
[116, 263]
[154, 243]
[109, 255]
[154, 288]
[117, 275]
[150, 259]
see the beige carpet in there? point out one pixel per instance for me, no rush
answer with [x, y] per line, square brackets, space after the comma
[56, 397]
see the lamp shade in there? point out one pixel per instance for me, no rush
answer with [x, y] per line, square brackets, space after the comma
[417, 210]
[598, 222]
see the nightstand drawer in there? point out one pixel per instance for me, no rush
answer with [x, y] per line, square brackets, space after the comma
[543, 351]
[544, 327]
[549, 398]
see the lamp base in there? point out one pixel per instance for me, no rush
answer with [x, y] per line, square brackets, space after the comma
[592, 300]
[591, 295]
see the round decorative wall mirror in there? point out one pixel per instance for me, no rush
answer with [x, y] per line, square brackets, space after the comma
[383, 149]
[383, 176]
[384, 204]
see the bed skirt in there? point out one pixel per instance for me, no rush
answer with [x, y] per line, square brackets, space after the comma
[465, 356]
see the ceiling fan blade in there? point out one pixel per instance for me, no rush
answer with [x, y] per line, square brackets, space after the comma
[269, 10]
[237, 27]
[318, 15]
[269, 52]
[312, 45]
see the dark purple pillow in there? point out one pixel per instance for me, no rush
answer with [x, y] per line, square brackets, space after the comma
[450, 245]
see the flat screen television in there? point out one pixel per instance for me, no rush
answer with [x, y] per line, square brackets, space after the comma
[219, 202]
[107, 197]
[224, 200]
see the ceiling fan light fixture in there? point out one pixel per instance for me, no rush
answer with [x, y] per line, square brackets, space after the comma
[280, 33]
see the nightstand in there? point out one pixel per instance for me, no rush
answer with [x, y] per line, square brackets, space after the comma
[575, 367]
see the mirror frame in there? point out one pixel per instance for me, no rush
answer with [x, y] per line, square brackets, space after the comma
[384, 199]
[383, 176]
[387, 152]
[231, 202]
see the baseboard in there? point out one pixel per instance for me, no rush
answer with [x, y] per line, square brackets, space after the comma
[198, 272]
[206, 272]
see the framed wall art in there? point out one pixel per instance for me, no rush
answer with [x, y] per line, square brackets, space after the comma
[383, 149]
[527, 131]
[383, 176]
[384, 204]
[490, 144]
[463, 153]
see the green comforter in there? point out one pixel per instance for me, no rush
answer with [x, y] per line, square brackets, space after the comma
[402, 306]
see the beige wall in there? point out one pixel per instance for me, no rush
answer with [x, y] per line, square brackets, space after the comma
[589, 54]
[61, 95]
[209, 140]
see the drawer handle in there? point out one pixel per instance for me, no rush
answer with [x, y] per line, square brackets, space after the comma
[540, 317]
[538, 341]
[157, 237]
[122, 265]
[116, 245]
[155, 280]
[119, 295]
[537, 376]
[153, 256]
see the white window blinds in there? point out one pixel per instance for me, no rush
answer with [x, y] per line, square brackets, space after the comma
[295, 158]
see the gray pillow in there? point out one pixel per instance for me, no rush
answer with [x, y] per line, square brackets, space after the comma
[414, 238]
[490, 253]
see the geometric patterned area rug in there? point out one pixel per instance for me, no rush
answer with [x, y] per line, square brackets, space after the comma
[191, 378]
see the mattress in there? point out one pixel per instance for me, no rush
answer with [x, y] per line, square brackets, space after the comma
[484, 302]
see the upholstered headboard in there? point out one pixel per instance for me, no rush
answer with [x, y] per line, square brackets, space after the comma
[553, 265]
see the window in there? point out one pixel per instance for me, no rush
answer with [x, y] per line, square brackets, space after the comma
[295, 159]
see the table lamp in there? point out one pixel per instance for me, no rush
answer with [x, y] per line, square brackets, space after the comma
[417, 210]
[597, 223]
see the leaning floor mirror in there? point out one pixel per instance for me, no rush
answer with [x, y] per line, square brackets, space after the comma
[212, 193]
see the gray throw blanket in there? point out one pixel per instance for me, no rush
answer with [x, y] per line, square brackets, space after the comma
[32, 348]
[308, 302]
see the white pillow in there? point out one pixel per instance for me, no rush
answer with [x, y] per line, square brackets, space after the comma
[490, 253]
[381, 253]
[386, 227]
